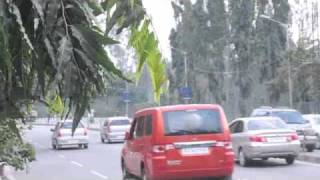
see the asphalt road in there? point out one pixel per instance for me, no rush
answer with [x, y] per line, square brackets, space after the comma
[101, 162]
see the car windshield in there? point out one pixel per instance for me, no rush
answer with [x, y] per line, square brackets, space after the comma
[290, 117]
[192, 122]
[262, 124]
[123, 122]
[68, 125]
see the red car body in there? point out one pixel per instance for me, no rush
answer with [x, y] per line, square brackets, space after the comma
[151, 151]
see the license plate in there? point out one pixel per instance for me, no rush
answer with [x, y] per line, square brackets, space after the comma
[73, 141]
[195, 151]
[277, 139]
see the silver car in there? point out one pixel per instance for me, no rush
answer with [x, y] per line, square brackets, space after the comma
[62, 135]
[263, 138]
[114, 129]
[314, 120]
[295, 121]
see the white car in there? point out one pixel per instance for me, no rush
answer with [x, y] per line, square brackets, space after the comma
[314, 120]
[62, 135]
[114, 129]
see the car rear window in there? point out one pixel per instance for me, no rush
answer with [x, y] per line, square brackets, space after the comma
[290, 117]
[262, 124]
[68, 125]
[123, 122]
[187, 122]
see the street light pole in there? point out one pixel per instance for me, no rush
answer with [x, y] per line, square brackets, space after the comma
[286, 26]
[127, 102]
[185, 74]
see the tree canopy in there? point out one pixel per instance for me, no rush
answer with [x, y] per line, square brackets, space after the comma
[53, 51]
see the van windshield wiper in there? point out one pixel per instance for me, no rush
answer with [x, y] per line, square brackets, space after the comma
[185, 132]
[180, 132]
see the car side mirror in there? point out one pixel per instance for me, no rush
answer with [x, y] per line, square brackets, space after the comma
[52, 130]
[127, 136]
[307, 121]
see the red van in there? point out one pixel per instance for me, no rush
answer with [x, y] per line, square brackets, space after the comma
[178, 142]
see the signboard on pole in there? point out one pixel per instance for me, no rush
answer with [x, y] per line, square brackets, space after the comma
[185, 93]
[126, 96]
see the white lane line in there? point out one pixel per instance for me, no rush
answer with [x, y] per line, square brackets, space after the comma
[61, 156]
[76, 163]
[308, 163]
[98, 174]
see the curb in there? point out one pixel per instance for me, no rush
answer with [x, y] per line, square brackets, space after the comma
[309, 158]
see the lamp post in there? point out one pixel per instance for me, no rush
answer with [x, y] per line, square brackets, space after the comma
[286, 27]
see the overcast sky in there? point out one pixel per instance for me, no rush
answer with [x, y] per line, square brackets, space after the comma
[161, 13]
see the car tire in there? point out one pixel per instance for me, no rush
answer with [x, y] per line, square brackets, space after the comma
[54, 146]
[318, 142]
[102, 140]
[144, 175]
[226, 178]
[125, 174]
[310, 148]
[243, 160]
[290, 160]
[86, 146]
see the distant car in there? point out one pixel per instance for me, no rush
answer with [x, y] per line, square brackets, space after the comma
[314, 120]
[178, 142]
[114, 129]
[263, 138]
[62, 135]
[295, 121]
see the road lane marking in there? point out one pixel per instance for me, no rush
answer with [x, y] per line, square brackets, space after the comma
[61, 156]
[98, 174]
[76, 163]
[308, 163]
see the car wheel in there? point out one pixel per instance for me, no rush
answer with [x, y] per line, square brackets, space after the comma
[54, 146]
[290, 160]
[125, 173]
[243, 160]
[102, 140]
[226, 178]
[310, 148]
[318, 142]
[109, 141]
[86, 146]
[144, 175]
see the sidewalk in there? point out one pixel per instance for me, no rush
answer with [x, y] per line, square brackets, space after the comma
[312, 157]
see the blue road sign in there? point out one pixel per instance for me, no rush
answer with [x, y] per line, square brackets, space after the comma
[126, 96]
[185, 92]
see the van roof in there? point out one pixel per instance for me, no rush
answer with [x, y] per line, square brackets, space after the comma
[179, 107]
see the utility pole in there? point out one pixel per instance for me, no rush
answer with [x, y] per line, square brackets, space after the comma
[289, 69]
[127, 101]
[186, 100]
[286, 26]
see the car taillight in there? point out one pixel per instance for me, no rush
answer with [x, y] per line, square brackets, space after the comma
[293, 137]
[227, 145]
[59, 134]
[257, 139]
[162, 148]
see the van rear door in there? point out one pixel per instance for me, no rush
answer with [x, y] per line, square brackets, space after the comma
[194, 139]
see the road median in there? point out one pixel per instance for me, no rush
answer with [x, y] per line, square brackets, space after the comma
[312, 157]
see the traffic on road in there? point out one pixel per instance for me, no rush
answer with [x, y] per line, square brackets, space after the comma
[174, 142]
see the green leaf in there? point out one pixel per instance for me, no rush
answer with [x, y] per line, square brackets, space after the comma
[13, 9]
[38, 7]
[64, 51]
